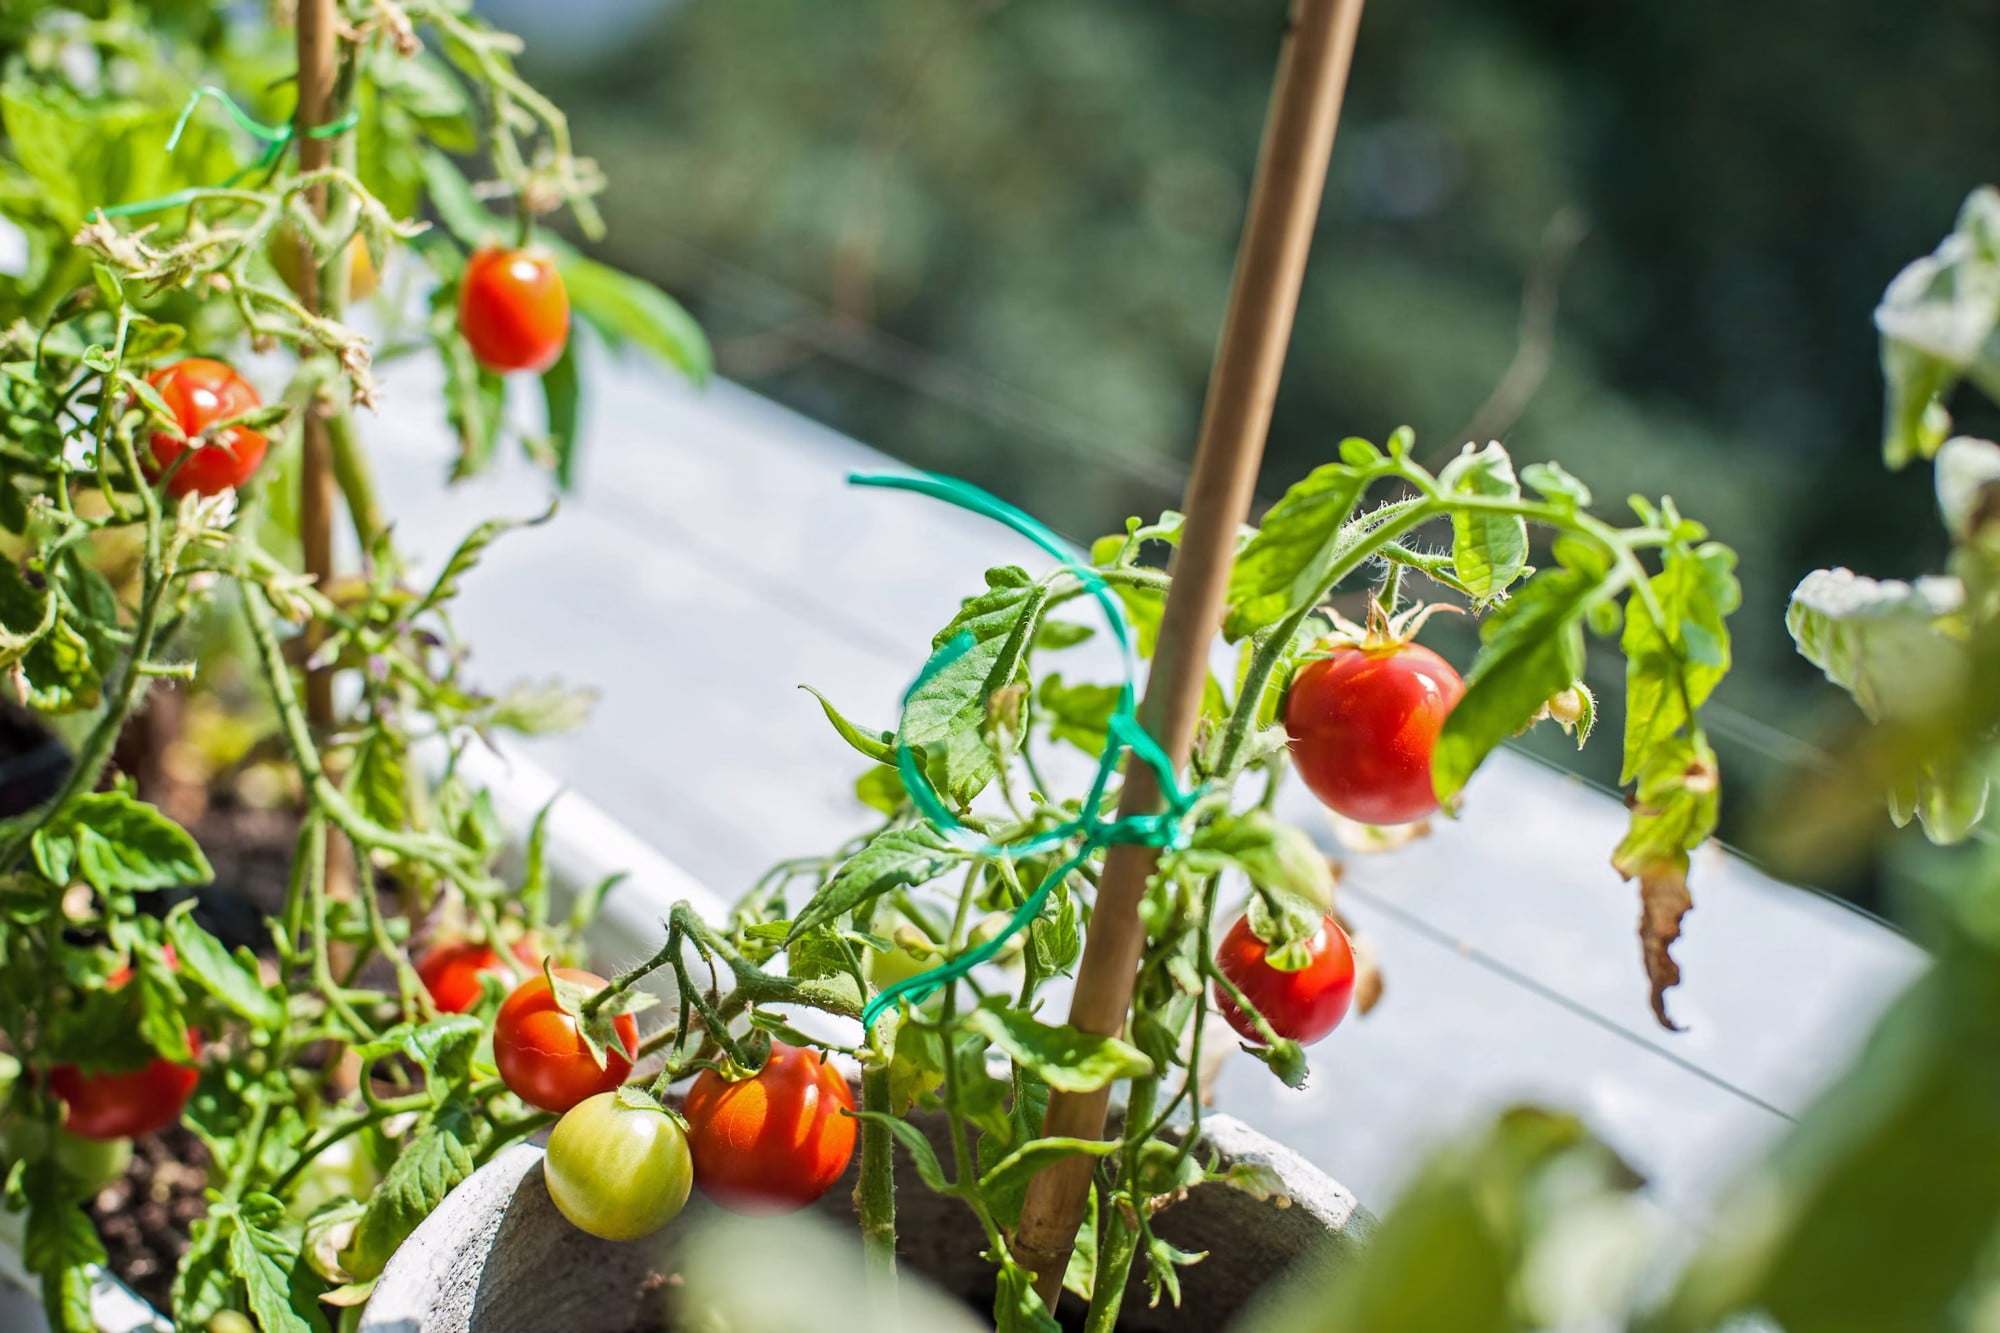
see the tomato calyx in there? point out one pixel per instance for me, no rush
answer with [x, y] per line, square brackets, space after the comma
[596, 1010]
[1385, 631]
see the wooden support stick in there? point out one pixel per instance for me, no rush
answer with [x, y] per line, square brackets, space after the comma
[1270, 266]
[318, 59]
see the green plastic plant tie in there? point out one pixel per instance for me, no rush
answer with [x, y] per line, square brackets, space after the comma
[273, 137]
[1165, 829]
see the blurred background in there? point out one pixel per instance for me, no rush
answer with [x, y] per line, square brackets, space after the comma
[993, 237]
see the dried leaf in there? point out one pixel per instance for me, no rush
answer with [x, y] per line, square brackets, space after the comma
[1663, 900]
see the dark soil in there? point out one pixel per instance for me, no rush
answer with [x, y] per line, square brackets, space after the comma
[144, 1216]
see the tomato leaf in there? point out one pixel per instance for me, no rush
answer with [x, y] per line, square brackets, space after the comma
[1553, 483]
[442, 1048]
[1274, 855]
[427, 1169]
[1883, 641]
[1938, 321]
[1061, 1056]
[59, 1245]
[1011, 1174]
[921, 1153]
[283, 1291]
[631, 310]
[1671, 669]
[1079, 714]
[1674, 810]
[1533, 647]
[876, 745]
[231, 980]
[563, 396]
[1488, 550]
[892, 859]
[467, 554]
[1287, 563]
[124, 843]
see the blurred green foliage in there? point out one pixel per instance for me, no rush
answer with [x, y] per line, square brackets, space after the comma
[983, 231]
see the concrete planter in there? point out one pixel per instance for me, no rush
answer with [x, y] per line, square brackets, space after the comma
[496, 1257]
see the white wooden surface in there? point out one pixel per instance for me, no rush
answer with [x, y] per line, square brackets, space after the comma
[714, 559]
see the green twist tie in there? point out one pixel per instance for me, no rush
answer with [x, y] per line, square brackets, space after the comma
[273, 137]
[1166, 829]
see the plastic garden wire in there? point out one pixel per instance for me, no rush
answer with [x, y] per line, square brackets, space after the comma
[1165, 829]
[273, 137]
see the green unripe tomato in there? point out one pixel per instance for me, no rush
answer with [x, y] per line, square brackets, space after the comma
[229, 1321]
[616, 1171]
[94, 1163]
[989, 929]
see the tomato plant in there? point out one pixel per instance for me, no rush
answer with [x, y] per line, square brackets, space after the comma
[1301, 1004]
[161, 520]
[1363, 722]
[542, 1051]
[513, 310]
[774, 1141]
[200, 460]
[618, 1165]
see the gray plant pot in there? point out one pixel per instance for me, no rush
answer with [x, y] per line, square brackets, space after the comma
[496, 1256]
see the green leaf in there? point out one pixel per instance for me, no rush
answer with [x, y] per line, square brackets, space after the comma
[881, 789]
[1055, 936]
[540, 708]
[1967, 478]
[946, 714]
[232, 982]
[457, 207]
[124, 843]
[1938, 321]
[1532, 647]
[428, 1168]
[1552, 482]
[203, 1285]
[563, 395]
[54, 657]
[1672, 668]
[1488, 551]
[626, 309]
[467, 555]
[914, 1142]
[1287, 564]
[1487, 1212]
[892, 859]
[1675, 807]
[876, 745]
[59, 1245]
[1061, 1056]
[283, 1291]
[1274, 855]
[442, 1048]
[1008, 1178]
[1889, 644]
[1079, 714]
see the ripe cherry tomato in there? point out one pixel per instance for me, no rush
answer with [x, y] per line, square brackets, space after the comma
[618, 1172]
[1304, 1005]
[1363, 723]
[202, 392]
[451, 972]
[126, 1104]
[773, 1143]
[543, 1057]
[513, 310]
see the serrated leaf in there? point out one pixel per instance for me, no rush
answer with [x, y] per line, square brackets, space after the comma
[282, 1291]
[1674, 810]
[1532, 647]
[1079, 714]
[1286, 565]
[1274, 855]
[203, 958]
[1488, 551]
[893, 859]
[124, 843]
[945, 715]
[428, 1168]
[1011, 1174]
[1938, 321]
[1671, 669]
[442, 1048]
[1063, 1057]
[467, 555]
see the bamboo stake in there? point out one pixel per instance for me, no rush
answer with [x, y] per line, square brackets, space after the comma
[1270, 266]
[318, 56]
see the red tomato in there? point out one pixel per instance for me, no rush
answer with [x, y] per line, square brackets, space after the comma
[543, 1057]
[202, 392]
[513, 310]
[123, 1105]
[773, 1143]
[451, 972]
[1304, 1005]
[1363, 723]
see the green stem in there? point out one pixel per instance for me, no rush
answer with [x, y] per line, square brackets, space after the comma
[875, 1193]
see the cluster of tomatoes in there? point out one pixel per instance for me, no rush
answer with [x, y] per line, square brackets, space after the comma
[513, 311]
[1362, 722]
[621, 1166]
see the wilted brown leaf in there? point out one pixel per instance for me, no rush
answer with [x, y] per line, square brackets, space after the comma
[1663, 900]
